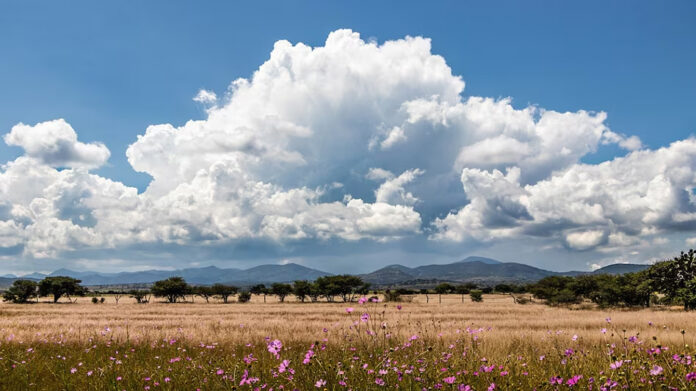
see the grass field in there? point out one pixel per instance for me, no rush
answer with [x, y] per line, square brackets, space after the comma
[450, 345]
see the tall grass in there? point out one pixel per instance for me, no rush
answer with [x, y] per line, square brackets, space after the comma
[490, 345]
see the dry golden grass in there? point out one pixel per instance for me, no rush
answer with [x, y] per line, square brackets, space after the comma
[291, 321]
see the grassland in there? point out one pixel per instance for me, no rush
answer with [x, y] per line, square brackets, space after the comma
[448, 345]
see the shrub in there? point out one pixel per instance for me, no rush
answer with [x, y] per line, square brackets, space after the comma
[476, 296]
[95, 300]
[244, 297]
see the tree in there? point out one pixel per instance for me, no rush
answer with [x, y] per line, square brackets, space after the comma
[302, 289]
[140, 295]
[244, 297]
[676, 278]
[173, 289]
[314, 292]
[443, 288]
[60, 286]
[205, 292]
[476, 296]
[259, 289]
[224, 291]
[462, 290]
[344, 286]
[281, 290]
[21, 291]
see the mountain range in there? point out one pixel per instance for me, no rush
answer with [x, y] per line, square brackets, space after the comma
[480, 270]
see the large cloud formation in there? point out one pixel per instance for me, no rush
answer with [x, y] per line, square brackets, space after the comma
[349, 141]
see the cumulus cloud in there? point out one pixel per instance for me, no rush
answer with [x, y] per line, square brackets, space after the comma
[296, 151]
[55, 143]
[205, 97]
[615, 202]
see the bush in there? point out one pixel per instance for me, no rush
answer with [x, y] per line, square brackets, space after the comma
[476, 296]
[244, 297]
[95, 300]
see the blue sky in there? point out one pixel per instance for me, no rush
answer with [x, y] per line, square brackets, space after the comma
[112, 70]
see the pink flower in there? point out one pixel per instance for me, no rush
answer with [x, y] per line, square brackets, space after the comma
[491, 387]
[449, 380]
[220, 372]
[349, 310]
[575, 337]
[167, 380]
[320, 383]
[398, 307]
[616, 365]
[573, 380]
[691, 376]
[379, 381]
[656, 370]
[274, 347]
[463, 387]
[308, 356]
[89, 373]
[283, 366]
[365, 317]
[362, 300]
[73, 370]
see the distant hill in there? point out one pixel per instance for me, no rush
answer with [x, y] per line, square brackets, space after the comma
[479, 270]
[200, 276]
[621, 268]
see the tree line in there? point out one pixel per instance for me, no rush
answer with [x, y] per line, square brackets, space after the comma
[671, 282]
[174, 289]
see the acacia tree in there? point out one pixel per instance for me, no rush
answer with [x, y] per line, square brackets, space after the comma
[259, 289]
[224, 291]
[173, 289]
[205, 292]
[21, 291]
[281, 290]
[302, 289]
[60, 286]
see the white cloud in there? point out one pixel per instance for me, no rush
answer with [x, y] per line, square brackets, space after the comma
[205, 97]
[629, 197]
[55, 143]
[283, 155]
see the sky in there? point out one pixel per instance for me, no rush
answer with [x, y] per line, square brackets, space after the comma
[345, 137]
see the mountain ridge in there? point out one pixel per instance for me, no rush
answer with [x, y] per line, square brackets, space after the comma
[480, 270]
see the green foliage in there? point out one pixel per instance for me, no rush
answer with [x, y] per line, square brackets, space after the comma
[628, 290]
[224, 291]
[173, 289]
[444, 288]
[675, 279]
[244, 297]
[302, 289]
[344, 286]
[140, 295]
[281, 290]
[60, 286]
[21, 291]
[95, 300]
[476, 296]
[206, 292]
